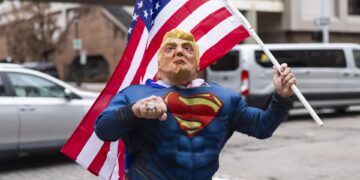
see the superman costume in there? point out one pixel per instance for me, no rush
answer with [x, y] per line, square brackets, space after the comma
[199, 122]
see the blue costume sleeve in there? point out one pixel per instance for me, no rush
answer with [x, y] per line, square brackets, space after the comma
[259, 123]
[115, 120]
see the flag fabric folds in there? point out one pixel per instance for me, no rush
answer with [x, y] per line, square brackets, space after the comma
[214, 27]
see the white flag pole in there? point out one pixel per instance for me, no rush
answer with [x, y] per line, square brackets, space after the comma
[253, 34]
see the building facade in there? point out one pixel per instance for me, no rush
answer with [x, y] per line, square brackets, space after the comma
[102, 31]
[294, 21]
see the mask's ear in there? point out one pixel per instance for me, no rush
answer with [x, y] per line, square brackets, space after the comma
[197, 54]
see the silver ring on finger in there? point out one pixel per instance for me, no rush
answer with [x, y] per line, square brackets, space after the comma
[150, 107]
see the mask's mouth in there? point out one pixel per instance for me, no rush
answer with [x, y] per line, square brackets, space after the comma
[179, 61]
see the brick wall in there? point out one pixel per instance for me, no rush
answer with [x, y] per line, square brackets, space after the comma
[99, 35]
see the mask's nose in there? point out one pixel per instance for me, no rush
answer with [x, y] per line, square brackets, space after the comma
[179, 51]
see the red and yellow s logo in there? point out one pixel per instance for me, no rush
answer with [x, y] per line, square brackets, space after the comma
[193, 113]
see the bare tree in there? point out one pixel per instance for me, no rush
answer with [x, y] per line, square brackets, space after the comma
[31, 34]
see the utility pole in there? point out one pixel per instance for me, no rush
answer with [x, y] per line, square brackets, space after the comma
[325, 20]
[77, 45]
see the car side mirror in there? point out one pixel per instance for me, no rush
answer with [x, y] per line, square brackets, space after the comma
[68, 94]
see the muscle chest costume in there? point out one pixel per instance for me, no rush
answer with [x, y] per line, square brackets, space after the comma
[199, 122]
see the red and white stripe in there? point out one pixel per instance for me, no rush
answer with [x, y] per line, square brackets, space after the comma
[216, 31]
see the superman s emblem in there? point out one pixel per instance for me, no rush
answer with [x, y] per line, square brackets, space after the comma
[193, 113]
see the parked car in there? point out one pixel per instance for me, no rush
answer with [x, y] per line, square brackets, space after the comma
[328, 75]
[37, 111]
[45, 67]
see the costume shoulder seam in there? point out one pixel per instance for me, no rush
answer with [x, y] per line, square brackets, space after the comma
[212, 83]
[230, 91]
[132, 87]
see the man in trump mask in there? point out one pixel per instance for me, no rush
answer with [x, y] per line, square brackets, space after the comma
[176, 126]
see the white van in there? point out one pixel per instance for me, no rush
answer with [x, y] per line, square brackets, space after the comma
[328, 75]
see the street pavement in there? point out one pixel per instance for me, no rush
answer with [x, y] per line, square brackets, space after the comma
[299, 150]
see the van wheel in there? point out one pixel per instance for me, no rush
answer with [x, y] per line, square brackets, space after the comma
[341, 109]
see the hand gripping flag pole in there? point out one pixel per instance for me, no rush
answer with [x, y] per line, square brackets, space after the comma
[253, 34]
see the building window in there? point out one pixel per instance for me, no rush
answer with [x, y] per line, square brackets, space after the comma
[354, 7]
[96, 69]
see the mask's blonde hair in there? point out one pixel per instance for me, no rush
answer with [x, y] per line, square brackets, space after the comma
[181, 34]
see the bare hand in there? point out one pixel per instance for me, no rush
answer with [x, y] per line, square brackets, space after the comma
[152, 107]
[284, 81]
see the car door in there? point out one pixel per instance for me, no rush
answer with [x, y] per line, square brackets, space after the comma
[9, 119]
[47, 117]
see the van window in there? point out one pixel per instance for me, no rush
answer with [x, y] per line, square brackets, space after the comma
[304, 58]
[357, 57]
[326, 58]
[229, 62]
[294, 58]
[2, 88]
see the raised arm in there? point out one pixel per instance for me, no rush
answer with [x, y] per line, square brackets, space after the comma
[262, 124]
[115, 120]
[121, 116]
[257, 122]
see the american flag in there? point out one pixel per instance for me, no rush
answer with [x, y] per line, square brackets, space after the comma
[214, 27]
